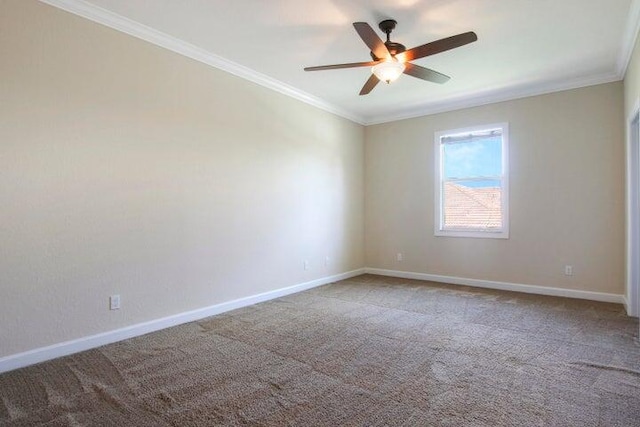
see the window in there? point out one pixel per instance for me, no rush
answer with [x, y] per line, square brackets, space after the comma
[472, 191]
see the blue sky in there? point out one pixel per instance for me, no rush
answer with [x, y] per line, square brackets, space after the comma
[482, 157]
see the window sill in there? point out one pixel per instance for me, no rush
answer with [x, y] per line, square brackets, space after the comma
[502, 234]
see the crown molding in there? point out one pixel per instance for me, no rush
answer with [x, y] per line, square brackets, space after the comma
[629, 38]
[120, 23]
[492, 97]
[117, 22]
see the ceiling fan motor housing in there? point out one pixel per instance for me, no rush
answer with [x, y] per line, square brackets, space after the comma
[393, 48]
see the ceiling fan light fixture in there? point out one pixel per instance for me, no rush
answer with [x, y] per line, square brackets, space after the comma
[388, 71]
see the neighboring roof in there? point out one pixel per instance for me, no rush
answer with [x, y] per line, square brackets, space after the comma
[469, 207]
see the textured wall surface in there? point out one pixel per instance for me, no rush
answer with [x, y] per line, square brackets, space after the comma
[566, 199]
[128, 169]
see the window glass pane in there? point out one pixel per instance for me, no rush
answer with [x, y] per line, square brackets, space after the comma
[477, 157]
[472, 204]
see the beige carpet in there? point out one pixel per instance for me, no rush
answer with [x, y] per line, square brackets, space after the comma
[366, 351]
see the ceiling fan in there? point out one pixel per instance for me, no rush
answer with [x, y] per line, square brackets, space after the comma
[390, 59]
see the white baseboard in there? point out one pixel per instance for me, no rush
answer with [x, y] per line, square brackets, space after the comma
[504, 286]
[31, 357]
[628, 307]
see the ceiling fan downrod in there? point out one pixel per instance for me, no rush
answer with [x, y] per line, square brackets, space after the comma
[387, 26]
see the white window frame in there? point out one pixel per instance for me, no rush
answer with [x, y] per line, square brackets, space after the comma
[439, 230]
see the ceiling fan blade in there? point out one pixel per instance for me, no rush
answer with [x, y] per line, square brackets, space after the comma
[337, 66]
[369, 85]
[425, 73]
[438, 46]
[371, 39]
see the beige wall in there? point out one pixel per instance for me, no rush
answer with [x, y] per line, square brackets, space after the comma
[566, 199]
[125, 168]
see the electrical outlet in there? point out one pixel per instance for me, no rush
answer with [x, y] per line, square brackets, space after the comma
[568, 270]
[399, 256]
[114, 302]
[326, 261]
[306, 264]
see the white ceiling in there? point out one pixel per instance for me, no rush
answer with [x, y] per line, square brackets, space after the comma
[524, 47]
